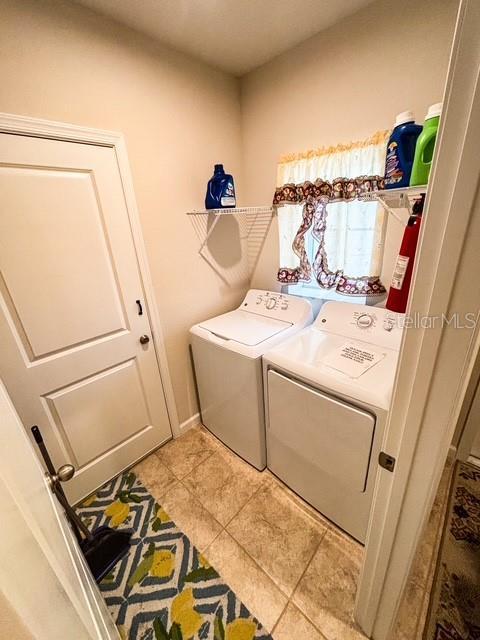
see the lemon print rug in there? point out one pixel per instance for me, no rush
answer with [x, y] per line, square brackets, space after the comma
[163, 589]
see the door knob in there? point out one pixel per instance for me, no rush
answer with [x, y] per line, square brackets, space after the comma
[65, 472]
[144, 339]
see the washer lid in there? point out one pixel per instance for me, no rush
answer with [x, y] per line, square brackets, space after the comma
[244, 327]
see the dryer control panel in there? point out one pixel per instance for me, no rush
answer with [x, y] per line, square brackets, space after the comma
[361, 322]
[277, 305]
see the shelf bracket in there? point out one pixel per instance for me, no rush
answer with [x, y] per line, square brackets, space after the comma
[399, 198]
[390, 210]
[217, 213]
[209, 233]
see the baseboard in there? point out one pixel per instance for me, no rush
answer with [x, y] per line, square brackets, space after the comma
[188, 424]
[452, 453]
[474, 460]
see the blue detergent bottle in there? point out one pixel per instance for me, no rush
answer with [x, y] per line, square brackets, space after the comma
[220, 190]
[401, 151]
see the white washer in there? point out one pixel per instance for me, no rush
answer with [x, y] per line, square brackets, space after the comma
[324, 425]
[227, 353]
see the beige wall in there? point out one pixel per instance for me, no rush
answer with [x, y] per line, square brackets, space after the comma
[60, 61]
[341, 85]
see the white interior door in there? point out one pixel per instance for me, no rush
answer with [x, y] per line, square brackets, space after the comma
[70, 324]
[43, 574]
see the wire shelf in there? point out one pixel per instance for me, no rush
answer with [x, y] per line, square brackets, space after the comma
[231, 211]
[395, 194]
[392, 199]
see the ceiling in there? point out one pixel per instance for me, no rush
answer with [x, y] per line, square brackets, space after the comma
[233, 35]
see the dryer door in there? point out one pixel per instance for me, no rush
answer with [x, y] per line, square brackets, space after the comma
[320, 446]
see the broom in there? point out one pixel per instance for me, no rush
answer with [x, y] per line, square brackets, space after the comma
[103, 547]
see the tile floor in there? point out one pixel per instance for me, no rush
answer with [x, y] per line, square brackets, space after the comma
[294, 570]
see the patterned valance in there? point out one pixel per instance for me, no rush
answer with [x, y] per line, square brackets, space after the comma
[315, 196]
[341, 189]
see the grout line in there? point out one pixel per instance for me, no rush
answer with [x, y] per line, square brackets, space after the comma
[205, 551]
[297, 504]
[157, 496]
[320, 632]
[256, 563]
[260, 486]
[195, 466]
[224, 529]
[262, 570]
[218, 447]
[200, 429]
[195, 499]
[236, 513]
[307, 509]
[309, 562]
[274, 628]
[290, 600]
[272, 580]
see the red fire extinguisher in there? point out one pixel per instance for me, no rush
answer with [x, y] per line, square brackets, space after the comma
[402, 274]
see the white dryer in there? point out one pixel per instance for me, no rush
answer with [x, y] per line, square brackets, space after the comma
[328, 392]
[227, 353]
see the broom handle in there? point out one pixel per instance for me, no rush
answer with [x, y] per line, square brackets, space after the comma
[43, 450]
[46, 456]
[77, 521]
[58, 489]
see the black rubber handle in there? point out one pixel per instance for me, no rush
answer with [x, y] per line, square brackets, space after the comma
[37, 435]
[43, 449]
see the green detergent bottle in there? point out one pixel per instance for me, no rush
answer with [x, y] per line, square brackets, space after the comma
[425, 146]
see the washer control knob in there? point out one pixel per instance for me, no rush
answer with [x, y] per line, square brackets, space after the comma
[364, 321]
[270, 303]
[388, 323]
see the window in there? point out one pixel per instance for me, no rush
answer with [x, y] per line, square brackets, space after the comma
[336, 251]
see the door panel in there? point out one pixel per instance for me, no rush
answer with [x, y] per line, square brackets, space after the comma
[61, 212]
[90, 428]
[69, 323]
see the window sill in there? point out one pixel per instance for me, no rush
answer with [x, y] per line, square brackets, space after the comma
[316, 294]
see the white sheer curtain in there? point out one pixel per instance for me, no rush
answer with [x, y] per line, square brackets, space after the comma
[353, 239]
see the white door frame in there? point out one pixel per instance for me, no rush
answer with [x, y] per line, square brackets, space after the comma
[468, 427]
[35, 127]
[435, 363]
